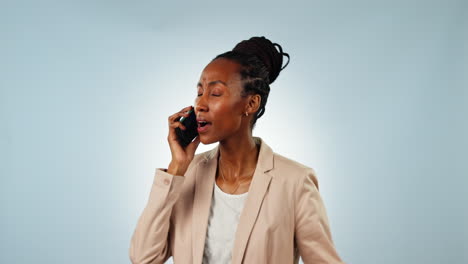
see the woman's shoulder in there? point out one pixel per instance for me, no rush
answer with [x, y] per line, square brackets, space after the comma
[292, 169]
[283, 162]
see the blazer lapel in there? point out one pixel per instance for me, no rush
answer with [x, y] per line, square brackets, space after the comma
[204, 183]
[257, 191]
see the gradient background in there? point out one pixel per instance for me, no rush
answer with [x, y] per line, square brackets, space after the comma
[374, 99]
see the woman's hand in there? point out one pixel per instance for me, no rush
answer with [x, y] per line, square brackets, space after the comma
[181, 157]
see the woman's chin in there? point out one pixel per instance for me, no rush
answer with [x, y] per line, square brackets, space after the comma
[207, 141]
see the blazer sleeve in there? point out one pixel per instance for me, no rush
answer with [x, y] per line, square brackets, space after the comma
[149, 243]
[312, 230]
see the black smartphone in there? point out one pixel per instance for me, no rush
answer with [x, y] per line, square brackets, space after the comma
[186, 136]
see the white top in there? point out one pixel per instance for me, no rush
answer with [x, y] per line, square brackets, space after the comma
[222, 225]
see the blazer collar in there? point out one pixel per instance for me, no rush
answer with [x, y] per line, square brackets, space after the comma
[204, 184]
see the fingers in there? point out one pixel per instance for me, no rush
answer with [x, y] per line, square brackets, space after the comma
[173, 120]
[175, 117]
[176, 124]
[178, 151]
[193, 145]
[187, 108]
[180, 113]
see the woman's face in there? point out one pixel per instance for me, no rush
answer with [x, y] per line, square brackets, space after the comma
[219, 102]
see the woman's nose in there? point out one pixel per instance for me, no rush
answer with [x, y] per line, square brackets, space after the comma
[200, 104]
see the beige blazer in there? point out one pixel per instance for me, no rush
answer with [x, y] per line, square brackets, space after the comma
[283, 217]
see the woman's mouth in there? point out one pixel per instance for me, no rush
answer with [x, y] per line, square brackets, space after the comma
[203, 126]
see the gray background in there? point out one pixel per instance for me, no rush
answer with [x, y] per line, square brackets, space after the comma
[374, 98]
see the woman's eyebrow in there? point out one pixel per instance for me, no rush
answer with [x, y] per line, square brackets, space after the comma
[213, 82]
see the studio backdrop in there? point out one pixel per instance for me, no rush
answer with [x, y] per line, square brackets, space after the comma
[374, 99]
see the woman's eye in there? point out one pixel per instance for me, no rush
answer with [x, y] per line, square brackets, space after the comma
[215, 94]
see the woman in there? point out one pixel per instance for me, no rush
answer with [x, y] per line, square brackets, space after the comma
[239, 202]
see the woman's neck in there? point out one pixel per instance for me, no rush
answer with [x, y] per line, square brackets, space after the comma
[238, 157]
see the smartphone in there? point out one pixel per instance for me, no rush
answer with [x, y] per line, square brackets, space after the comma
[186, 136]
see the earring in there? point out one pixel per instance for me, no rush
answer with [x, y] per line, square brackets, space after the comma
[246, 114]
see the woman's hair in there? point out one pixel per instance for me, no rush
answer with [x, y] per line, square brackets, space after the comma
[261, 64]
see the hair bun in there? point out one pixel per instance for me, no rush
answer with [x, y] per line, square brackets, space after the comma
[266, 51]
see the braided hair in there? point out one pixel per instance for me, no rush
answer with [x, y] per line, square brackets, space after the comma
[261, 64]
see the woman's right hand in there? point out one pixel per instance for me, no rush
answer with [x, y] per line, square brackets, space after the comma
[181, 157]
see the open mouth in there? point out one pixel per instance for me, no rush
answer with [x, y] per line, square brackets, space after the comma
[203, 126]
[203, 123]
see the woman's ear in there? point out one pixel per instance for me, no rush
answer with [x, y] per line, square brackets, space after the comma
[253, 104]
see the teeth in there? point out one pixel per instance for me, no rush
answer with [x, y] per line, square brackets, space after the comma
[202, 123]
